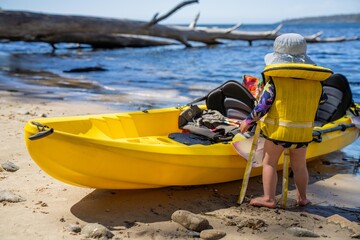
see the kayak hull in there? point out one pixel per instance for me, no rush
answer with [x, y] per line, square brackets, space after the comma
[133, 151]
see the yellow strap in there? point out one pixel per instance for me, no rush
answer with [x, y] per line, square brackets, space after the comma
[288, 123]
[249, 164]
[285, 182]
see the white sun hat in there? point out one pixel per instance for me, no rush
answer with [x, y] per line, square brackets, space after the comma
[288, 48]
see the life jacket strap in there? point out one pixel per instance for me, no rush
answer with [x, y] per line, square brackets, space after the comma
[287, 123]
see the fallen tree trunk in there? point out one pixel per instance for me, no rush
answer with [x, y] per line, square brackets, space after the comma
[316, 38]
[106, 32]
[106, 41]
[28, 26]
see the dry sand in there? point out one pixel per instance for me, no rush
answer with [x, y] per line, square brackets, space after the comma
[52, 206]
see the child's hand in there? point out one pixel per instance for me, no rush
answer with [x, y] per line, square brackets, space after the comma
[244, 126]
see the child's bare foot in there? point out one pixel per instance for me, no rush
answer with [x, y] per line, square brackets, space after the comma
[263, 202]
[303, 203]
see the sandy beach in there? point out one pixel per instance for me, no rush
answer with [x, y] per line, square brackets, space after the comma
[50, 209]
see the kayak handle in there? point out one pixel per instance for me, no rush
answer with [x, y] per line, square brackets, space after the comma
[42, 132]
[317, 135]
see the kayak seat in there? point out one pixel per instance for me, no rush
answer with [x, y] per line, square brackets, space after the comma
[225, 105]
[338, 91]
[231, 99]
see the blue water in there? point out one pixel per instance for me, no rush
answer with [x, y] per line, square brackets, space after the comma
[137, 79]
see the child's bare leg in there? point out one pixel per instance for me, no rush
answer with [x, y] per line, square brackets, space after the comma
[272, 153]
[301, 175]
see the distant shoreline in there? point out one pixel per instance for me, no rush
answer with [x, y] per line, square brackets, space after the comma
[345, 18]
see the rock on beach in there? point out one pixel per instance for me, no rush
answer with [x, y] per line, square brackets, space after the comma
[190, 220]
[301, 232]
[9, 166]
[212, 234]
[95, 230]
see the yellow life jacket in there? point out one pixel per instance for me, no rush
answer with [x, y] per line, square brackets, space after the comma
[297, 95]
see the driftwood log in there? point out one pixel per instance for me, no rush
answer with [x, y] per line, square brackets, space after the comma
[36, 27]
[107, 32]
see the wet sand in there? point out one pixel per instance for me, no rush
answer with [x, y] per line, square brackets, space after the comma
[51, 207]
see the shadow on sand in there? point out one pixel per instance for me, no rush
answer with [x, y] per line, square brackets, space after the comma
[125, 207]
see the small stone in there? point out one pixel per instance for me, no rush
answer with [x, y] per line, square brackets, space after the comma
[301, 232]
[190, 220]
[95, 230]
[8, 196]
[9, 166]
[73, 228]
[212, 234]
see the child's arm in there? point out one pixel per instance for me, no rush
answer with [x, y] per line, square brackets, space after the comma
[263, 106]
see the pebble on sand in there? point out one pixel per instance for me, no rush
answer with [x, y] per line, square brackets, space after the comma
[95, 230]
[301, 232]
[9, 166]
[73, 228]
[190, 220]
[212, 234]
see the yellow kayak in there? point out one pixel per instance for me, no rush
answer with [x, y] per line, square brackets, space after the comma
[132, 150]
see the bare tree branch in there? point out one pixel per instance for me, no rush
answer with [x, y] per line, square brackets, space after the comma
[194, 22]
[229, 30]
[277, 29]
[155, 19]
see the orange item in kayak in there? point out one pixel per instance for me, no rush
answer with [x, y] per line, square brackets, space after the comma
[253, 84]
